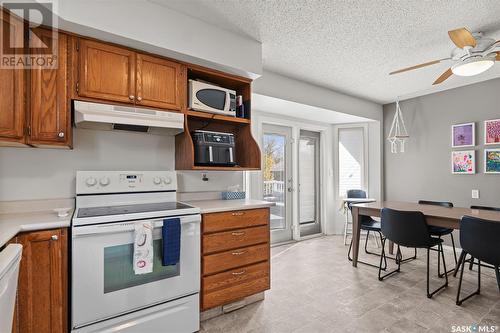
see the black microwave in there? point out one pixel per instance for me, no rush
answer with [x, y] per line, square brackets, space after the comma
[213, 148]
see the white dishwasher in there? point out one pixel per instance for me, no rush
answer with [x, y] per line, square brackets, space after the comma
[10, 258]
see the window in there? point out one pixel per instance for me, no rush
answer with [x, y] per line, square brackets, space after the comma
[351, 167]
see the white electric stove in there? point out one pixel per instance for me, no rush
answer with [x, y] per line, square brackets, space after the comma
[107, 296]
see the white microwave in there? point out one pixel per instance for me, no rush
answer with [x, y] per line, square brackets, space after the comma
[211, 98]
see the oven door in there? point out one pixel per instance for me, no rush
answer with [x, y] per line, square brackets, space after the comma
[104, 284]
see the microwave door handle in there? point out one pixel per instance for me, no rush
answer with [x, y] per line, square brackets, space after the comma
[231, 155]
[210, 154]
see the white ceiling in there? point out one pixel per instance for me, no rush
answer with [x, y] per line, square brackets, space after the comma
[351, 46]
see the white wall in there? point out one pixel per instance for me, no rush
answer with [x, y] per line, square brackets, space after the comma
[33, 173]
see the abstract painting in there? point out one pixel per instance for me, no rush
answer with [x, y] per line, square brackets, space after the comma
[463, 162]
[492, 160]
[463, 135]
[492, 132]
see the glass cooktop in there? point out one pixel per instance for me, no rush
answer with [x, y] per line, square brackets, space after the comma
[130, 209]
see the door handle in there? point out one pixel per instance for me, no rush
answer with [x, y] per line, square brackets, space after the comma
[238, 233]
[239, 273]
[238, 253]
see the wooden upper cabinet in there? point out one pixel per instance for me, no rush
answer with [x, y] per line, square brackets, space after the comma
[42, 289]
[159, 82]
[106, 72]
[12, 91]
[49, 104]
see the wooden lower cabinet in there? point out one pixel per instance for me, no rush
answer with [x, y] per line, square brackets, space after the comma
[42, 289]
[235, 256]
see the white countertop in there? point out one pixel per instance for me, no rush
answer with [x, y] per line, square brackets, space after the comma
[18, 216]
[214, 206]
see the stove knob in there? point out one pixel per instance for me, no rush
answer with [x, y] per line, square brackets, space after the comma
[91, 181]
[157, 180]
[104, 181]
[167, 180]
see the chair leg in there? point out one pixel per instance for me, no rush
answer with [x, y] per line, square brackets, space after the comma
[497, 273]
[362, 262]
[471, 263]
[460, 261]
[398, 260]
[454, 248]
[345, 228]
[366, 241]
[460, 301]
[454, 255]
[440, 252]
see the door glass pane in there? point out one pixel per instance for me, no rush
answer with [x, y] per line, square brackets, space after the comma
[351, 152]
[119, 270]
[307, 179]
[274, 177]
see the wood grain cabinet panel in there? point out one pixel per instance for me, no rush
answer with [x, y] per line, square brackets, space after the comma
[106, 72]
[223, 261]
[12, 91]
[213, 222]
[159, 82]
[42, 292]
[49, 104]
[228, 240]
[235, 284]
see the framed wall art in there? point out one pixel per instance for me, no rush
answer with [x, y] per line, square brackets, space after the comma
[492, 132]
[492, 161]
[463, 135]
[463, 162]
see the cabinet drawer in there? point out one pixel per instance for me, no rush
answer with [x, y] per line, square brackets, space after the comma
[229, 240]
[235, 258]
[213, 222]
[230, 286]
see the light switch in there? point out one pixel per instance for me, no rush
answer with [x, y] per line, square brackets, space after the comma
[475, 194]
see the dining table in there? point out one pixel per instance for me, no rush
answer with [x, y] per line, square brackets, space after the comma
[434, 215]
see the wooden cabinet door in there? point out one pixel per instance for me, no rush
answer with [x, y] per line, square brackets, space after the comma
[49, 105]
[42, 293]
[106, 72]
[159, 82]
[12, 92]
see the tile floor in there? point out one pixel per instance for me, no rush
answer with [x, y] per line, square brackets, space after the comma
[315, 289]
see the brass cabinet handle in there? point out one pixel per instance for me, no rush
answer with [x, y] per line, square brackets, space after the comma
[237, 213]
[139, 98]
[239, 273]
[238, 253]
[54, 237]
[131, 97]
[238, 233]
[60, 134]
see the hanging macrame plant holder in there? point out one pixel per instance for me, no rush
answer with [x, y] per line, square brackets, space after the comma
[398, 133]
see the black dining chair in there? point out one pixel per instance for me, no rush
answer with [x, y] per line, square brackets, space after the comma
[479, 238]
[409, 229]
[440, 231]
[471, 261]
[367, 224]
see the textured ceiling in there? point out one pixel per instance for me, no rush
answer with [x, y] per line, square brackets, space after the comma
[351, 46]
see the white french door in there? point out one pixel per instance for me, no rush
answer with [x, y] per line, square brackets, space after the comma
[277, 179]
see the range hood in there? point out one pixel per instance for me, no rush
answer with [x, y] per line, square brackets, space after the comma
[116, 117]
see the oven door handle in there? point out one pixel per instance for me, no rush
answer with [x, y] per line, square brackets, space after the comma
[126, 226]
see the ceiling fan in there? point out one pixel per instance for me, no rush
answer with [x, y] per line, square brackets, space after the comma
[473, 55]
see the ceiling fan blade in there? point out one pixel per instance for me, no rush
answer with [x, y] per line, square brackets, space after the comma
[443, 76]
[418, 66]
[462, 37]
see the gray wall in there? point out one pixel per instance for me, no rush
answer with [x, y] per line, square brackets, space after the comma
[424, 170]
[34, 173]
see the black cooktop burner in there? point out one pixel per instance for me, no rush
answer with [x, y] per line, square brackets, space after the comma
[130, 209]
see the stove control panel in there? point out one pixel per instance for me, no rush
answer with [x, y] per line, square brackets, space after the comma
[90, 182]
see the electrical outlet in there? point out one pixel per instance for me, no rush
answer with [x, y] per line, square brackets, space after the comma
[475, 194]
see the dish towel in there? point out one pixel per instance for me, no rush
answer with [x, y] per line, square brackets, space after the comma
[143, 247]
[171, 232]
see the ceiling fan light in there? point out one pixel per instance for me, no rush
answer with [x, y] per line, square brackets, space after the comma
[472, 66]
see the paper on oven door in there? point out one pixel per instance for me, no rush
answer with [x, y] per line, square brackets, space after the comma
[143, 247]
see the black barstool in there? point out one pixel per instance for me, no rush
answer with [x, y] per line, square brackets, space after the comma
[440, 231]
[367, 224]
[479, 238]
[409, 229]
